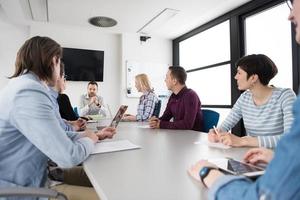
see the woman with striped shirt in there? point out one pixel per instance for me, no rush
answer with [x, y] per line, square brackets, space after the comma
[266, 110]
[147, 100]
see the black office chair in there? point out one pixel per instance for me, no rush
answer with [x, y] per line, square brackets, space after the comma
[31, 192]
[157, 109]
[210, 119]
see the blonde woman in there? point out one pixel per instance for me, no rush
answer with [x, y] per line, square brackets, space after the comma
[147, 100]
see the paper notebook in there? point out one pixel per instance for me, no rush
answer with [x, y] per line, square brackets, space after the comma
[214, 145]
[119, 145]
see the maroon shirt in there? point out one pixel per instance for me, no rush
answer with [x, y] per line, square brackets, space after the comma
[185, 109]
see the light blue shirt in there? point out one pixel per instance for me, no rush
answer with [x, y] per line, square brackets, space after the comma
[30, 134]
[281, 179]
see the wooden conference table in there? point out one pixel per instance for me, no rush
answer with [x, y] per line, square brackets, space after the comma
[156, 171]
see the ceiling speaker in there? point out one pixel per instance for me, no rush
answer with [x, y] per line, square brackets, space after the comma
[101, 21]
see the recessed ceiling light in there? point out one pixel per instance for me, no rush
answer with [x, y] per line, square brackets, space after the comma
[102, 21]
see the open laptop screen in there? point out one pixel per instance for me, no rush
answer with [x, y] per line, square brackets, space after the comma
[114, 123]
[117, 118]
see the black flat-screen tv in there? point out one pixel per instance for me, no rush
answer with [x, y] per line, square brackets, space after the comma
[83, 65]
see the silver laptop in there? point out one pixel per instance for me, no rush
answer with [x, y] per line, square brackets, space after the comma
[115, 121]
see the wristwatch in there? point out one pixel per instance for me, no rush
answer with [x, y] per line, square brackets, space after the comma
[204, 172]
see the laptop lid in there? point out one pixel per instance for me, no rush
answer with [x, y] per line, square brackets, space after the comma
[117, 118]
[114, 123]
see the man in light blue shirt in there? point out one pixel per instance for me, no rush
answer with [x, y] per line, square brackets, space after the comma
[281, 179]
[30, 133]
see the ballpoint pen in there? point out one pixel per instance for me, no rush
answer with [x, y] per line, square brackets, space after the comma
[216, 130]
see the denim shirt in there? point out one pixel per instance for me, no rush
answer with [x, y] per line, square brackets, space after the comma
[30, 134]
[281, 179]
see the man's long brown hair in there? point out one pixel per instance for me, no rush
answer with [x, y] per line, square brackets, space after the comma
[36, 56]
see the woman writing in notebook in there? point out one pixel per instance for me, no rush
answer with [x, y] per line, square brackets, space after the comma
[147, 100]
[265, 109]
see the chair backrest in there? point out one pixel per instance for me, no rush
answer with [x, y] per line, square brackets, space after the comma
[210, 119]
[157, 109]
[76, 111]
[31, 192]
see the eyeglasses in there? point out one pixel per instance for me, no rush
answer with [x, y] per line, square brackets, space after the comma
[65, 77]
[289, 4]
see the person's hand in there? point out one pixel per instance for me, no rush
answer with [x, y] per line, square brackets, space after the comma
[154, 122]
[79, 124]
[213, 136]
[259, 155]
[90, 134]
[128, 117]
[95, 100]
[231, 140]
[194, 170]
[107, 132]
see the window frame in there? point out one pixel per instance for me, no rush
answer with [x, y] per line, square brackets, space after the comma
[236, 19]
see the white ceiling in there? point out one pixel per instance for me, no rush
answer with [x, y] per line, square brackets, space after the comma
[131, 15]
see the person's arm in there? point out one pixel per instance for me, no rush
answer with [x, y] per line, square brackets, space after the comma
[236, 141]
[233, 117]
[167, 115]
[33, 115]
[102, 108]
[216, 180]
[230, 121]
[66, 125]
[287, 99]
[281, 177]
[259, 155]
[65, 108]
[146, 109]
[83, 106]
[191, 108]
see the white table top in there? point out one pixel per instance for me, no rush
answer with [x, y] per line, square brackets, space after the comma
[157, 171]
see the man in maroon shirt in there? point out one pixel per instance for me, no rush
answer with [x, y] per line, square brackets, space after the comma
[184, 105]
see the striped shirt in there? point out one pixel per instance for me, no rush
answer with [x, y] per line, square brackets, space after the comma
[146, 106]
[266, 122]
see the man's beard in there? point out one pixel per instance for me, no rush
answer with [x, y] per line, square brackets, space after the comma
[92, 94]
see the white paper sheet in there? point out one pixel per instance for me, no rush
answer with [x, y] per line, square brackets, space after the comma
[119, 145]
[212, 144]
[92, 121]
[144, 126]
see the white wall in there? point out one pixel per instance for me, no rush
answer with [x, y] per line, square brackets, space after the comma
[117, 49]
[11, 38]
[69, 36]
[154, 50]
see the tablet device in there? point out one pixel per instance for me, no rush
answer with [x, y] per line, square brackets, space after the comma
[231, 166]
[114, 123]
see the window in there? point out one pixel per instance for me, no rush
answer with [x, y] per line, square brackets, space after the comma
[206, 48]
[212, 85]
[207, 55]
[269, 33]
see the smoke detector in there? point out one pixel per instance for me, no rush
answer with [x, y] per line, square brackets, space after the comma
[102, 21]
